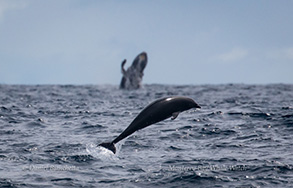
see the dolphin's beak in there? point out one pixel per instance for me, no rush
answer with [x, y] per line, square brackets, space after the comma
[197, 106]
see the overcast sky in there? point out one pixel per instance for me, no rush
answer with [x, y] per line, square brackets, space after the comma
[187, 41]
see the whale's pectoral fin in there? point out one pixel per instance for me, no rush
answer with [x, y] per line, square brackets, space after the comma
[175, 115]
[122, 67]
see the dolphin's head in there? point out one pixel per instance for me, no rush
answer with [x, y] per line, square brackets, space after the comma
[189, 103]
[179, 103]
[194, 105]
[182, 103]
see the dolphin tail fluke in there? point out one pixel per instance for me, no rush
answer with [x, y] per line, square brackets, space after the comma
[109, 145]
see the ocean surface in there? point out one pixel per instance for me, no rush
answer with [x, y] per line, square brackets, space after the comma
[241, 137]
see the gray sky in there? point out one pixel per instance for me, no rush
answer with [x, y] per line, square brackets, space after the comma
[188, 42]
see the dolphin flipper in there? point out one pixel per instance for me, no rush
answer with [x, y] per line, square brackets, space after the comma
[175, 115]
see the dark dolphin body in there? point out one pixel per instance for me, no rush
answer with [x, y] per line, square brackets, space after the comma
[157, 111]
[132, 77]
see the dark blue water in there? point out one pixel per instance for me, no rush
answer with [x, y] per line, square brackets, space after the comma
[242, 137]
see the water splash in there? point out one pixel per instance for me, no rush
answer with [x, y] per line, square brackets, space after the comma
[100, 152]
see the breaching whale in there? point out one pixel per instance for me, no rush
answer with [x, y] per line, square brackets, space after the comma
[132, 77]
[157, 111]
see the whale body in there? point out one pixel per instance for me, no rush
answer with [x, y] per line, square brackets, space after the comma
[132, 77]
[157, 111]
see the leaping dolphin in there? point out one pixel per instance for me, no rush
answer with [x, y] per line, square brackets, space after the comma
[157, 111]
[132, 77]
